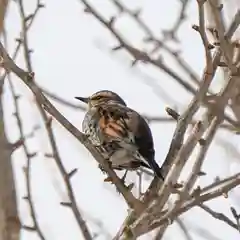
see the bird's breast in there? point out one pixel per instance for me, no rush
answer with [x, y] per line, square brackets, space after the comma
[90, 126]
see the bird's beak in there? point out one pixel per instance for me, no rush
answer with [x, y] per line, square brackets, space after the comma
[83, 99]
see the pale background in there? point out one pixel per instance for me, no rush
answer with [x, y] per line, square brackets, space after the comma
[72, 57]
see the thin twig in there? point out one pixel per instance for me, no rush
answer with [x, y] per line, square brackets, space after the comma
[28, 79]
[211, 66]
[214, 192]
[219, 216]
[178, 22]
[62, 100]
[66, 176]
[27, 170]
[159, 235]
[29, 23]
[151, 38]
[137, 54]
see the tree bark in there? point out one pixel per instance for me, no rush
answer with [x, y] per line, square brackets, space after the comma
[3, 9]
[9, 220]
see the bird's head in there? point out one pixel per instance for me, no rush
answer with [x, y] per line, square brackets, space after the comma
[101, 97]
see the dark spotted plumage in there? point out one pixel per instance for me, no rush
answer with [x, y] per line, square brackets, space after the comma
[120, 133]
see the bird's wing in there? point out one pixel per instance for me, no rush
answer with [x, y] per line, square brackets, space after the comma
[122, 123]
[113, 121]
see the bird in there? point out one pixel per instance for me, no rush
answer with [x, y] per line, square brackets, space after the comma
[120, 133]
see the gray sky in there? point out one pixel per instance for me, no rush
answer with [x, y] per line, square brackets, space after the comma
[72, 58]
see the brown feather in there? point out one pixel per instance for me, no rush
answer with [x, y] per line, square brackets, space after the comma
[124, 119]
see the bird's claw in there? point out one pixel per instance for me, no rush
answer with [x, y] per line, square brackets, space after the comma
[130, 186]
[122, 180]
[124, 177]
[107, 179]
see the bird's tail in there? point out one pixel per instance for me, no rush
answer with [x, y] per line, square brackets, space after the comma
[152, 164]
[157, 170]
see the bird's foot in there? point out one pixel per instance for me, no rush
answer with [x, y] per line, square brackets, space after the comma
[124, 177]
[108, 179]
[130, 186]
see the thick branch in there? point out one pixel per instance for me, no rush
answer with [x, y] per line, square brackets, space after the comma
[28, 79]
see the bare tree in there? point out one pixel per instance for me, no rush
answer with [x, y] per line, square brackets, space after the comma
[154, 210]
[10, 224]
[3, 10]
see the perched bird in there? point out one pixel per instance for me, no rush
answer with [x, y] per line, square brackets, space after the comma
[121, 134]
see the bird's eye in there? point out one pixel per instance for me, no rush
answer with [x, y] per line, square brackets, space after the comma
[97, 97]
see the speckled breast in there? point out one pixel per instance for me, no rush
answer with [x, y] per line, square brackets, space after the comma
[90, 126]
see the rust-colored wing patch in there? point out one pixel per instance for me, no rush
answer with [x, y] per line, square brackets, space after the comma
[112, 128]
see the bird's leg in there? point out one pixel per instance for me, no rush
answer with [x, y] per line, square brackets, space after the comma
[131, 185]
[107, 179]
[124, 176]
[139, 174]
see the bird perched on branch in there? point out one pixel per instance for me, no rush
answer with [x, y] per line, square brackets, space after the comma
[121, 134]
